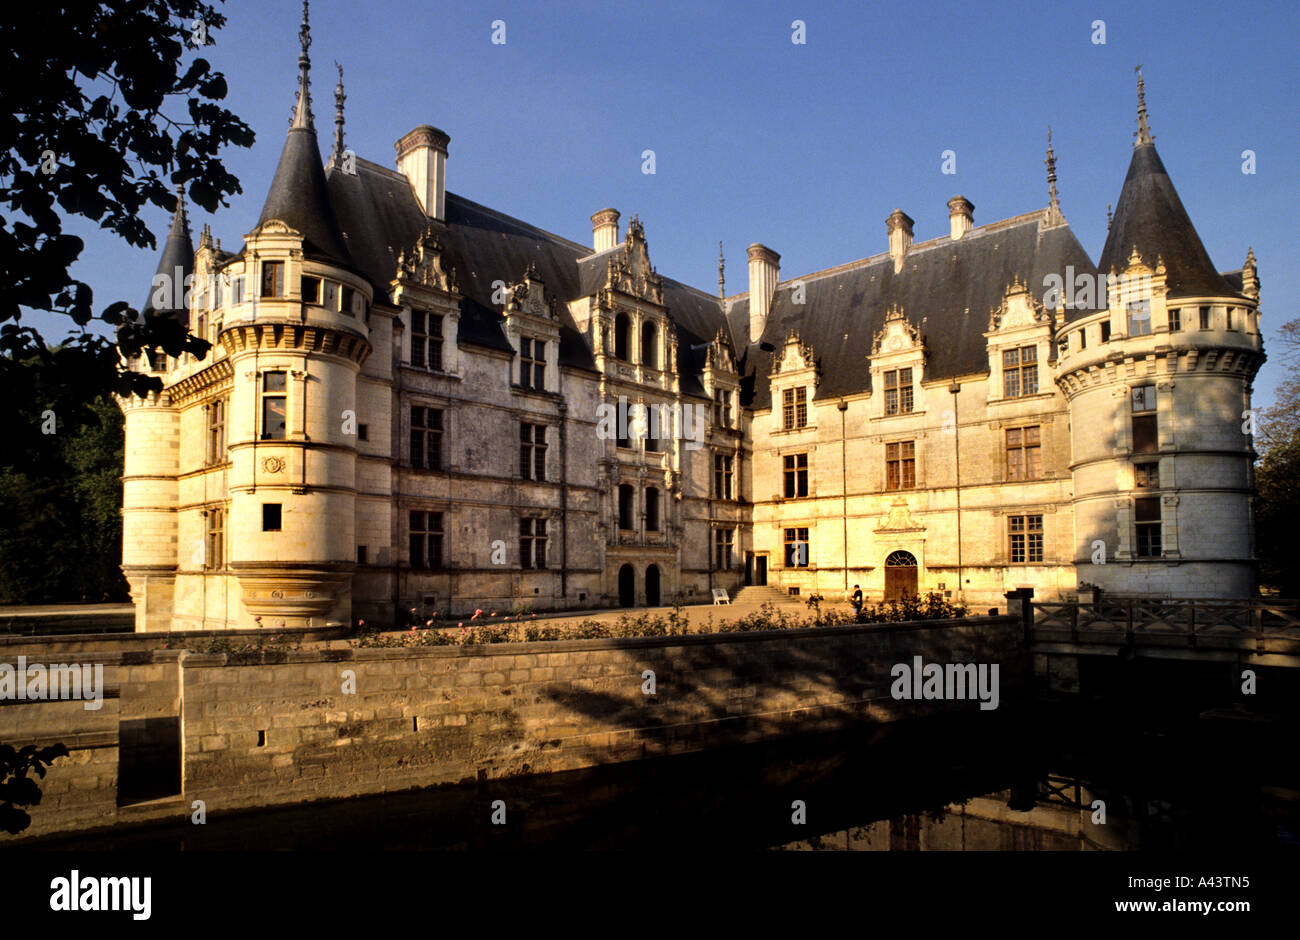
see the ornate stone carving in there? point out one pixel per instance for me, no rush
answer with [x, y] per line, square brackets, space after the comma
[795, 355]
[530, 297]
[425, 266]
[896, 334]
[629, 270]
[273, 464]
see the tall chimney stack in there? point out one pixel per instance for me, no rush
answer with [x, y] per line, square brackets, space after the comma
[900, 237]
[422, 158]
[604, 230]
[961, 214]
[764, 266]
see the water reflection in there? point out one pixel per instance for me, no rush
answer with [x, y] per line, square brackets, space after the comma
[1005, 780]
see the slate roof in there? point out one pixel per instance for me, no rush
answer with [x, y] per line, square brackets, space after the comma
[379, 217]
[947, 289]
[178, 251]
[298, 197]
[1151, 217]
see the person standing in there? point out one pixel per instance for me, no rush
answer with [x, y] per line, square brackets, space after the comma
[856, 599]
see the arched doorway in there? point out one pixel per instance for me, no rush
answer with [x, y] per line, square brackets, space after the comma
[900, 575]
[652, 586]
[626, 586]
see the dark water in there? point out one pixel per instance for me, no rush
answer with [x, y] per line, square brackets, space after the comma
[987, 780]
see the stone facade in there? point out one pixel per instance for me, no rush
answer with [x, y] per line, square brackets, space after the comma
[415, 402]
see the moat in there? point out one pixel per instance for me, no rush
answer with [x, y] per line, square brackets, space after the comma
[1023, 779]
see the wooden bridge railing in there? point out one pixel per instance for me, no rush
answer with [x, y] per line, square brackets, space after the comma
[1264, 625]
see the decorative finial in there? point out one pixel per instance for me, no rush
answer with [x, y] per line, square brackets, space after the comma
[722, 283]
[339, 98]
[180, 222]
[1054, 216]
[302, 116]
[1143, 131]
[1108, 218]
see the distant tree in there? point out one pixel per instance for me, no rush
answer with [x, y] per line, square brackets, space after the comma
[84, 87]
[1277, 476]
[60, 489]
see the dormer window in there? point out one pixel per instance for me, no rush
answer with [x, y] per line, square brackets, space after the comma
[272, 278]
[898, 392]
[532, 364]
[1139, 317]
[1020, 372]
[426, 341]
[794, 408]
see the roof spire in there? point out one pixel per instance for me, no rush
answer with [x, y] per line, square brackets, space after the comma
[1108, 217]
[1143, 131]
[302, 116]
[180, 222]
[722, 283]
[339, 98]
[1054, 216]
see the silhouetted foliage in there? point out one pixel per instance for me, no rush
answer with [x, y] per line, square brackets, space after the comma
[84, 87]
[16, 788]
[1277, 477]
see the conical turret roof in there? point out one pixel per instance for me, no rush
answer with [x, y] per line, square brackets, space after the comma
[298, 195]
[1150, 217]
[177, 263]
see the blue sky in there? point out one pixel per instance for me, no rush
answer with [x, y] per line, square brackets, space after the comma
[806, 148]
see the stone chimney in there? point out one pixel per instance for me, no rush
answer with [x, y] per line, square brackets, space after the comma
[900, 237]
[961, 214]
[604, 230]
[422, 158]
[764, 266]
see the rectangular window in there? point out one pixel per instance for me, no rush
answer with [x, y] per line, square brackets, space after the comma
[722, 408]
[216, 539]
[722, 546]
[216, 442]
[1145, 431]
[270, 517]
[722, 467]
[426, 437]
[1026, 539]
[898, 392]
[900, 465]
[310, 290]
[1024, 453]
[532, 451]
[1020, 372]
[1205, 318]
[1139, 317]
[1146, 515]
[532, 364]
[274, 407]
[1146, 475]
[532, 543]
[272, 278]
[1144, 398]
[363, 432]
[346, 301]
[796, 548]
[426, 341]
[796, 475]
[1175, 320]
[794, 408]
[1083, 338]
[361, 554]
[1231, 318]
[331, 301]
[1105, 332]
[426, 539]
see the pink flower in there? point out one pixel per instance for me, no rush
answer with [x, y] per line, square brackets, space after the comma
[493, 614]
[477, 613]
[361, 623]
[460, 625]
[428, 623]
[534, 616]
[412, 629]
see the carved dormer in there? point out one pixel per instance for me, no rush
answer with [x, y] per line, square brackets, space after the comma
[1018, 309]
[796, 356]
[532, 322]
[795, 376]
[722, 380]
[897, 365]
[629, 271]
[897, 334]
[1019, 342]
[424, 267]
